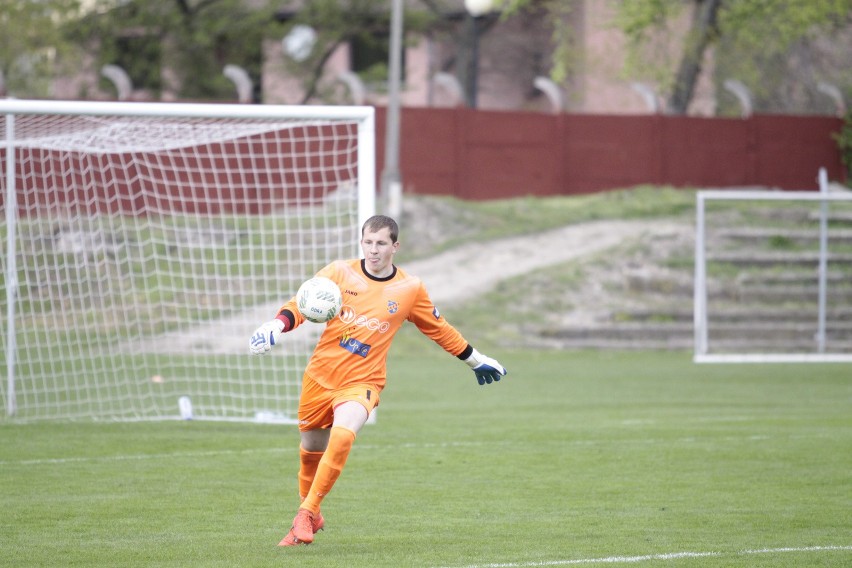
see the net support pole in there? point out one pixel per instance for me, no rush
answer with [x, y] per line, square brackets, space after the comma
[391, 191]
[11, 265]
[700, 308]
[823, 260]
[366, 168]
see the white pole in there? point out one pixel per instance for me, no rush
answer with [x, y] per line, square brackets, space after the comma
[391, 182]
[823, 260]
[366, 169]
[700, 309]
[11, 265]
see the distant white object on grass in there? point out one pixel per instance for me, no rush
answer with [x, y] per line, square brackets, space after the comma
[185, 406]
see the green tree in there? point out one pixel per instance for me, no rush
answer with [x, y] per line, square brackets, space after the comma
[782, 57]
[752, 31]
[188, 41]
[31, 44]
[563, 35]
[749, 28]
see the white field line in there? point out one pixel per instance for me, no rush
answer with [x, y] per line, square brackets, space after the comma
[665, 556]
[378, 447]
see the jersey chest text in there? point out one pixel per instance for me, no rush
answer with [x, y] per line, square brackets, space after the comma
[374, 313]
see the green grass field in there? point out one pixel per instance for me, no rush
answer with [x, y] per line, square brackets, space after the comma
[576, 458]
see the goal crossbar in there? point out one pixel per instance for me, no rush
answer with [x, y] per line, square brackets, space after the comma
[186, 110]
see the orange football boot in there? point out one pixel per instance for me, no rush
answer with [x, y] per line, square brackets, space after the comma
[317, 524]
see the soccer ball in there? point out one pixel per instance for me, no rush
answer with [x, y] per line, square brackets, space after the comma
[319, 299]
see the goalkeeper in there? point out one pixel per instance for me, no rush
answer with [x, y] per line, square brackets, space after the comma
[346, 372]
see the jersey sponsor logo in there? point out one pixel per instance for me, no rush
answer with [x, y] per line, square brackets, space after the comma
[350, 292]
[436, 313]
[350, 317]
[354, 346]
[393, 306]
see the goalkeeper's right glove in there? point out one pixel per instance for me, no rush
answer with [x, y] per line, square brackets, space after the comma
[266, 336]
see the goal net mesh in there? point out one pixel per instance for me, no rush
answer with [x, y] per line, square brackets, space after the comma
[773, 276]
[148, 249]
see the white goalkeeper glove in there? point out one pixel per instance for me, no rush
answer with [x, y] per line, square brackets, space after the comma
[265, 337]
[487, 370]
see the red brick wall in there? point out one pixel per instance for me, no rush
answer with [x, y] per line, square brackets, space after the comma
[487, 155]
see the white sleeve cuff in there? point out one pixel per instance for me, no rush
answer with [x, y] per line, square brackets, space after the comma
[475, 359]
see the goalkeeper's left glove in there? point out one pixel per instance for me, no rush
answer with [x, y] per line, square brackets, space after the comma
[266, 336]
[486, 369]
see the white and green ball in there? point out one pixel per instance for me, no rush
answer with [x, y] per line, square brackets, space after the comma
[319, 299]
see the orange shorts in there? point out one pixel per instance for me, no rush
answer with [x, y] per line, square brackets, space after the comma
[317, 403]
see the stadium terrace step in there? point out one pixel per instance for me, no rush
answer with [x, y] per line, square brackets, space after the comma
[655, 316]
[769, 315]
[809, 278]
[731, 315]
[592, 341]
[761, 235]
[724, 338]
[780, 333]
[741, 331]
[748, 258]
[835, 217]
[774, 294]
[808, 346]
[645, 332]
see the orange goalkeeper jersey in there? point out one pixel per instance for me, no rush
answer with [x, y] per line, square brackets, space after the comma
[353, 347]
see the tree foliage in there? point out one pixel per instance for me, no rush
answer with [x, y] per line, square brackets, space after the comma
[30, 42]
[661, 49]
[182, 42]
[751, 30]
[782, 57]
[183, 45]
[563, 37]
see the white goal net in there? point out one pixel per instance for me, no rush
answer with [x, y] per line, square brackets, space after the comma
[773, 276]
[143, 243]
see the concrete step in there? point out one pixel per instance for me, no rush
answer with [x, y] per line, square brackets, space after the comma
[777, 332]
[775, 258]
[770, 331]
[804, 294]
[804, 278]
[762, 234]
[734, 315]
[735, 332]
[835, 217]
[686, 342]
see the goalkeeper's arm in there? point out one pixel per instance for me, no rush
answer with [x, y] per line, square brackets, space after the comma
[267, 335]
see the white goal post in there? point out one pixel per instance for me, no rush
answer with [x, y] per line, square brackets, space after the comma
[772, 276]
[144, 242]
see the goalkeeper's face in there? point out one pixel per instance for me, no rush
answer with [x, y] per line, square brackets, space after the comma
[379, 248]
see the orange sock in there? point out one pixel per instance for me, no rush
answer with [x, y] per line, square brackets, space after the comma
[330, 466]
[308, 462]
